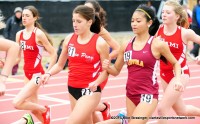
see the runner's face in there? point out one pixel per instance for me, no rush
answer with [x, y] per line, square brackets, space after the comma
[138, 22]
[168, 15]
[80, 24]
[27, 18]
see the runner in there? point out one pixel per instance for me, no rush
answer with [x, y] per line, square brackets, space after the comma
[176, 37]
[85, 51]
[33, 40]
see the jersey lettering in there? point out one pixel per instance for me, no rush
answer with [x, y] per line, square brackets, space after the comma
[135, 62]
[26, 47]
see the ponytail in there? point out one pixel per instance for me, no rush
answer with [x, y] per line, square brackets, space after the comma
[38, 25]
[183, 20]
[96, 26]
[154, 27]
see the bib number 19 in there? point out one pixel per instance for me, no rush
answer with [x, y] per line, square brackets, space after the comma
[148, 98]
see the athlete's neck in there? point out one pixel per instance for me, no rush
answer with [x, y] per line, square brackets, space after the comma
[142, 37]
[170, 29]
[29, 29]
[85, 37]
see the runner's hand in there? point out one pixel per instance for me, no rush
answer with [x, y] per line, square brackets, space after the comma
[45, 78]
[178, 86]
[106, 64]
[92, 86]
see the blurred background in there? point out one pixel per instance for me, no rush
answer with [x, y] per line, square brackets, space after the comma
[56, 14]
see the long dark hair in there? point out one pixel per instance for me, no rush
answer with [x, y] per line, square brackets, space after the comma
[99, 11]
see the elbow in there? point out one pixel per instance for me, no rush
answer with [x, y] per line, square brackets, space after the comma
[116, 74]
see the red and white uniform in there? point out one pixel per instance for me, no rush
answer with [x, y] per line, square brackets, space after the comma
[32, 55]
[84, 62]
[178, 49]
[142, 67]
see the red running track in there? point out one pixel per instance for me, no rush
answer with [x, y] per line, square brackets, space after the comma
[55, 95]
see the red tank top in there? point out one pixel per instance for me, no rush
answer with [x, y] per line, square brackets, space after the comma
[84, 62]
[177, 47]
[32, 53]
[142, 67]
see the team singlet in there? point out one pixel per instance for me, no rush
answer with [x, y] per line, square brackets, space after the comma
[177, 48]
[84, 62]
[142, 67]
[32, 53]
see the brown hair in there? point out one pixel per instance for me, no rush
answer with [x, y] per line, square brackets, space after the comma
[37, 24]
[89, 14]
[99, 10]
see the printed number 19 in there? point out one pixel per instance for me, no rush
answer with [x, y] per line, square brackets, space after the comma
[147, 98]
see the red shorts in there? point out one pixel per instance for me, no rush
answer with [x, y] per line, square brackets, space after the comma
[29, 74]
[168, 75]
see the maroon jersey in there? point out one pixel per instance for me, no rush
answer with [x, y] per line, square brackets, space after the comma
[142, 67]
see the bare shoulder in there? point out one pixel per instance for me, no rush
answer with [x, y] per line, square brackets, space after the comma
[39, 33]
[187, 32]
[101, 42]
[67, 38]
[19, 32]
[18, 36]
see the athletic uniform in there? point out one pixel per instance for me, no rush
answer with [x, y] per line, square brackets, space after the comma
[142, 83]
[84, 66]
[178, 49]
[32, 55]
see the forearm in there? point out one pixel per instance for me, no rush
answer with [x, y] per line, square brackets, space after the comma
[177, 70]
[102, 77]
[55, 69]
[113, 71]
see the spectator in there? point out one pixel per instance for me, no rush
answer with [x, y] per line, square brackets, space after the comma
[13, 25]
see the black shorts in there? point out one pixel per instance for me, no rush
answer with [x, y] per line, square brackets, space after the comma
[78, 92]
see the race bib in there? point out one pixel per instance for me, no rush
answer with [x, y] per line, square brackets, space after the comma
[148, 98]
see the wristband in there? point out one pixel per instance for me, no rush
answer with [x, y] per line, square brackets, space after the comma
[48, 74]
